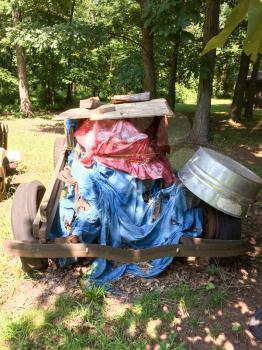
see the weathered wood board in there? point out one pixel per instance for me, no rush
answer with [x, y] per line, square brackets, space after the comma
[152, 108]
[90, 103]
[199, 247]
[74, 113]
[144, 96]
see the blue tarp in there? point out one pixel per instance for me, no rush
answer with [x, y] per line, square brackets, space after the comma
[119, 216]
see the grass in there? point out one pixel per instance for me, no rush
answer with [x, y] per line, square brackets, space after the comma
[35, 141]
[81, 322]
[240, 141]
[218, 107]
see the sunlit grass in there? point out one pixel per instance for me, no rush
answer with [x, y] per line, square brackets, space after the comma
[36, 149]
[80, 323]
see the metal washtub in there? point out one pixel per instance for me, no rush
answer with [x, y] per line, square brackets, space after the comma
[220, 181]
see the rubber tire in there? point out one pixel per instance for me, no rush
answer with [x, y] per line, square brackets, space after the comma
[229, 228]
[58, 148]
[25, 204]
[2, 182]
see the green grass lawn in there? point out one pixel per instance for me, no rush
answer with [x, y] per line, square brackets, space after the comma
[218, 107]
[36, 147]
[81, 322]
[243, 142]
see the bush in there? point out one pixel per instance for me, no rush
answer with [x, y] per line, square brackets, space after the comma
[184, 94]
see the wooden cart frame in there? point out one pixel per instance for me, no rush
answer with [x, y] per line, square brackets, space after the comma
[41, 248]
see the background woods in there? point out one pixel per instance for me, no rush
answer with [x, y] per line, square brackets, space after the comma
[55, 52]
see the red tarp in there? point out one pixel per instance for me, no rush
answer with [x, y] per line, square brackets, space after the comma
[136, 146]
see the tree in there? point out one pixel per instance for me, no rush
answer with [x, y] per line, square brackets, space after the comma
[25, 104]
[172, 22]
[171, 94]
[108, 47]
[239, 91]
[252, 9]
[199, 132]
[250, 91]
[148, 47]
[70, 84]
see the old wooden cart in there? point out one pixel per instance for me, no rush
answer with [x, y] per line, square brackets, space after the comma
[34, 209]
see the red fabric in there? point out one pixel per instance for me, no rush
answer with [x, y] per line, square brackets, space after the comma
[135, 146]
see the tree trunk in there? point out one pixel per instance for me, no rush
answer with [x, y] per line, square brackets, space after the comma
[199, 132]
[251, 90]
[69, 94]
[173, 71]
[25, 104]
[239, 91]
[148, 51]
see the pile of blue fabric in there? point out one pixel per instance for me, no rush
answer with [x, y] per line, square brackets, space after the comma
[120, 216]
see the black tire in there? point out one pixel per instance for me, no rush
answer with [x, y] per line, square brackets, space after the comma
[229, 228]
[218, 225]
[25, 204]
[58, 147]
[2, 182]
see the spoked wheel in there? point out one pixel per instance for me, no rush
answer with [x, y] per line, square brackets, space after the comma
[26, 202]
[218, 225]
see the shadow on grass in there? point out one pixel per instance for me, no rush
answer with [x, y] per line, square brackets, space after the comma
[178, 318]
[242, 142]
[57, 128]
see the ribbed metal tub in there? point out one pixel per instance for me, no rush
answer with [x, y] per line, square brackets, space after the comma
[220, 181]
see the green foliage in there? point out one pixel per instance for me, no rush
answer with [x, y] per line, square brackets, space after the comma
[236, 327]
[184, 94]
[94, 293]
[8, 89]
[253, 41]
[7, 78]
[98, 52]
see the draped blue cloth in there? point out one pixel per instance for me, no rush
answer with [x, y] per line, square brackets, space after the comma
[119, 216]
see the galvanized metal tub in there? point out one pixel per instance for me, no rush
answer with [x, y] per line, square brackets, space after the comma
[220, 181]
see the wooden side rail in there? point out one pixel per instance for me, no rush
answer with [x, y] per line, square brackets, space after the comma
[48, 206]
[199, 248]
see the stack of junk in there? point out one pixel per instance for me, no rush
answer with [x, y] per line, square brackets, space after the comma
[120, 189]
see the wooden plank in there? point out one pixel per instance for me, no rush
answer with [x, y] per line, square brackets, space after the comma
[52, 208]
[5, 138]
[152, 108]
[70, 141]
[156, 107]
[50, 198]
[199, 247]
[1, 136]
[144, 96]
[51, 188]
[90, 103]
[74, 113]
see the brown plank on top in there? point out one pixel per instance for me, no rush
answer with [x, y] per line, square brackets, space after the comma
[152, 108]
[144, 96]
[74, 113]
[90, 103]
